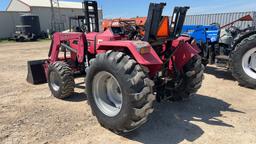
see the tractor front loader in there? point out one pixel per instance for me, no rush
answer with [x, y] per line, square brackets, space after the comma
[125, 75]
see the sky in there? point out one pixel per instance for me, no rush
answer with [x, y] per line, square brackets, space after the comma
[133, 8]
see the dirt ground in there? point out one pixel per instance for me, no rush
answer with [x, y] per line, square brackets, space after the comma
[221, 112]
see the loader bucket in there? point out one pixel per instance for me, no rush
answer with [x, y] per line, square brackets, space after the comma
[36, 72]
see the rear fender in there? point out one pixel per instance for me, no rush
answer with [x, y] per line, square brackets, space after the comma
[237, 41]
[150, 59]
[184, 51]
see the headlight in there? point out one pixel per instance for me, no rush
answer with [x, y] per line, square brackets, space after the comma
[213, 39]
[142, 47]
[144, 50]
[194, 42]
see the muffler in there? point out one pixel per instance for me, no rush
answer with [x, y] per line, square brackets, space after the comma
[36, 72]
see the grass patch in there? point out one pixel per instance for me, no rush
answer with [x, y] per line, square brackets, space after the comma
[13, 41]
[42, 40]
[5, 41]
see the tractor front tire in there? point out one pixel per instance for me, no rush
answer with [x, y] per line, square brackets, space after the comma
[193, 75]
[60, 80]
[119, 92]
[243, 62]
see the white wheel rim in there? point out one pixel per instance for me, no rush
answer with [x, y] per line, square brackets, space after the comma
[249, 63]
[107, 94]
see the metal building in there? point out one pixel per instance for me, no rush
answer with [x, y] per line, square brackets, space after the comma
[41, 8]
[221, 18]
[8, 21]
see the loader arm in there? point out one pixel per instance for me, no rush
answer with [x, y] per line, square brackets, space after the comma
[73, 42]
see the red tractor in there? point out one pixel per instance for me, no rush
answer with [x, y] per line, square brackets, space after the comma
[124, 76]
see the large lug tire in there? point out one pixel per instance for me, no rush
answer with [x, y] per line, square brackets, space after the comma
[211, 58]
[205, 53]
[60, 80]
[119, 92]
[243, 62]
[192, 77]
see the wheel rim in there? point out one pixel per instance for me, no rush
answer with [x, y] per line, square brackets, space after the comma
[107, 94]
[54, 81]
[249, 63]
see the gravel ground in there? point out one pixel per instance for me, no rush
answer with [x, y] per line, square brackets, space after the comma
[221, 112]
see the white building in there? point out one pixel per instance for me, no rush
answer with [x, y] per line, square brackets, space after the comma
[222, 19]
[41, 8]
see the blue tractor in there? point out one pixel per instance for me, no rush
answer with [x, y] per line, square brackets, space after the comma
[228, 46]
[207, 37]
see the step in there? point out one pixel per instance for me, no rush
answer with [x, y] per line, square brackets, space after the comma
[222, 57]
[222, 61]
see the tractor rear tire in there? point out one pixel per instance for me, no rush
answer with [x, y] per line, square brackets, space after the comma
[243, 54]
[60, 80]
[134, 100]
[193, 75]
